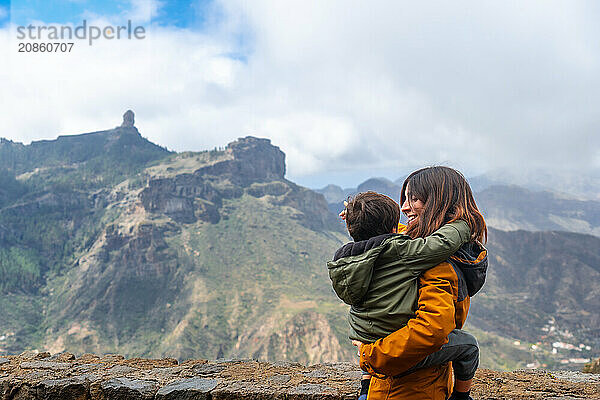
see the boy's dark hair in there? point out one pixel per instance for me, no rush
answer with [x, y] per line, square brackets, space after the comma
[371, 214]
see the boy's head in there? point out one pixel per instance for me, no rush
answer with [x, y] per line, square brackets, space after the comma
[371, 214]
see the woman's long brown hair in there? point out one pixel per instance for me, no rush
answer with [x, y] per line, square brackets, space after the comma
[446, 196]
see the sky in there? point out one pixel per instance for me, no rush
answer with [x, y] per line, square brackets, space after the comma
[347, 89]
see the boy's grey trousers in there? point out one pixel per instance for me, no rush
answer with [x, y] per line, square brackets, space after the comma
[462, 349]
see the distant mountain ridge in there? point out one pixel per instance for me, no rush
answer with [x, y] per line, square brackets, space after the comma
[216, 254]
[513, 208]
[579, 185]
[335, 195]
[505, 207]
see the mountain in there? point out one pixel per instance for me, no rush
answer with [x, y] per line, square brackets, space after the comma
[191, 262]
[92, 160]
[542, 289]
[481, 182]
[578, 184]
[189, 255]
[513, 208]
[506, 207]
[216, 254]
[381, 185]
[335, 195]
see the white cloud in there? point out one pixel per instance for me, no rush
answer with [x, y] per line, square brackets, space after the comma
[144, 10]
[338, 86]
[138, 12]
[311, 139]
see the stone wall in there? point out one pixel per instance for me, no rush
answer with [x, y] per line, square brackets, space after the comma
[91, 377]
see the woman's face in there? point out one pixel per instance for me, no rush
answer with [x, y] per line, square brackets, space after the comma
[412, 208]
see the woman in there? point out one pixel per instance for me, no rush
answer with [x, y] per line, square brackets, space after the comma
[430, 198]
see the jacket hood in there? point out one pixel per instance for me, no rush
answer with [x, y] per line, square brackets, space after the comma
[352, 267]
[470, 263]
[358, 248]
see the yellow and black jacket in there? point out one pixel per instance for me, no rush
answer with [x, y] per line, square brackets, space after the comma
[443, 304]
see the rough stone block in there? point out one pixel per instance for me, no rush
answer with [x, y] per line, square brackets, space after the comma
[55, 366]
[62, 357]
[279, 379]
[128, 389]
[313, 391]
[61, 389]
[316, 373]
[187, 389]
[29, 355]
[245, 390]
[351, 375]
[18, 391]
[87, 367]
[166, 374]
[208, 369]
[121, 370]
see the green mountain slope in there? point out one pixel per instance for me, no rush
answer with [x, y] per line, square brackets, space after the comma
[215, 254]
[195, 255]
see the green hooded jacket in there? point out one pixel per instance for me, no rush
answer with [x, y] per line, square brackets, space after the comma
[379, 277]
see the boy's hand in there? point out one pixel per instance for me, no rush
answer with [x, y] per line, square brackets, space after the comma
[343, 213]
[357, 344]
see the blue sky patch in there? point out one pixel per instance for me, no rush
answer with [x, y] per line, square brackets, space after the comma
[190, 14]
[4, 12]
[24, 12]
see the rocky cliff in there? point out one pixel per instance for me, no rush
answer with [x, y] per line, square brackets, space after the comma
[249, 165]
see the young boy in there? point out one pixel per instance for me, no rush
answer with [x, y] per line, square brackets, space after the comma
[378, 274]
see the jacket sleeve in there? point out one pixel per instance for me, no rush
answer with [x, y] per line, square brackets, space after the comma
[423, 253]
[423, 335]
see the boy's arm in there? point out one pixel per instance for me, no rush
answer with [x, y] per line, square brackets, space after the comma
[424, 334]
[423, 253]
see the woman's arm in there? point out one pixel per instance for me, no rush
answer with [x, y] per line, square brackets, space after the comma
[423, 253]
[423, 335]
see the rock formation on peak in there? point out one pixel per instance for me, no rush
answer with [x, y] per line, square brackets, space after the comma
[259, 158]
[252, 165]
[128, 119]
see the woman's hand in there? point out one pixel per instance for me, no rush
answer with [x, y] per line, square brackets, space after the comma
[357, 344]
